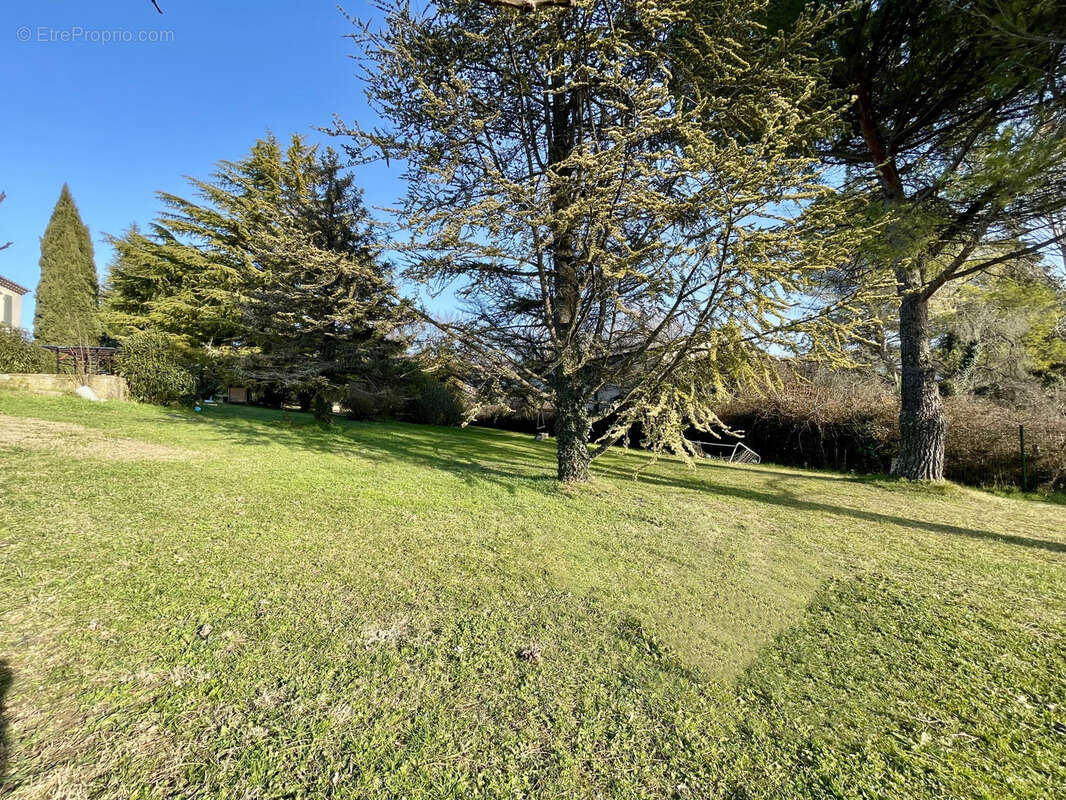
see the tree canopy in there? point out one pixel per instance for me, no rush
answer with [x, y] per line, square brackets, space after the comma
[274, 270]
[955, 137]
[607, 215]
[68, 294]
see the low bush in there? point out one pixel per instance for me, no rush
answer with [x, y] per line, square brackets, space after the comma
[153, 371]
[421, 398]
[983, 445]
[829, 423]
[848, 423]
[19, 354]
[365, 402]
[434, 403]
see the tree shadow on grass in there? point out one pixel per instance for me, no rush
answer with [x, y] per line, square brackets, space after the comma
[789, 499]
[478, 455]
[475, 455]
[805, 475]
[5, 683]
[863, 667]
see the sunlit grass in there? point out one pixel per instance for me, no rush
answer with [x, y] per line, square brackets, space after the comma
[243, 604]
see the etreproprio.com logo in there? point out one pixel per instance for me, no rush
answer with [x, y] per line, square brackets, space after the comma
[77, 34]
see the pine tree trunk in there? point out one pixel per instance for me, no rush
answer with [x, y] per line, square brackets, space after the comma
[571, 429]
[921, 417]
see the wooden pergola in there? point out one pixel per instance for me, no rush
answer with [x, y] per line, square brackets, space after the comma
[92, 360]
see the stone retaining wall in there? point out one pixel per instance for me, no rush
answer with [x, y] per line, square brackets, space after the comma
[107, 387]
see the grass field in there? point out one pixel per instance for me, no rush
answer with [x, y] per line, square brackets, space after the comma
[241, 604]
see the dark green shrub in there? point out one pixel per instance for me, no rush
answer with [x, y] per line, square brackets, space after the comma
[363, 401]
[153, 371]
[18, 354]
[321, 405]
[423, 399]
[435, 403]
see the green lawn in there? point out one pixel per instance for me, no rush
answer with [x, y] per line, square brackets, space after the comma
[240, 604]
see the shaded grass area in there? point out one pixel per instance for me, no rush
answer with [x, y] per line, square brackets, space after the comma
[398, 611]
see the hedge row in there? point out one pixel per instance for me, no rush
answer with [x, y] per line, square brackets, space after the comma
[852, 425]
[18, 354]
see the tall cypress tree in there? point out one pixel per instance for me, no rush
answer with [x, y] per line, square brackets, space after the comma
[68, 295]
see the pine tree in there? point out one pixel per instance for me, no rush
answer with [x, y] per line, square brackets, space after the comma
[323, 310]
[68, 299]
[956, 138]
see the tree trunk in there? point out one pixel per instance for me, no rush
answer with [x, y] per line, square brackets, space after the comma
[571, 402]
[571, 429]
[921, 417]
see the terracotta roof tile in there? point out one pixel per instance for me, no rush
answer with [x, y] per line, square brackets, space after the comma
[8, 284]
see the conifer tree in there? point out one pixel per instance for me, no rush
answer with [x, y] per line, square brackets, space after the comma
[68, 295]
[274, 271]
[323, 309]
[608, 216]
[956, 137]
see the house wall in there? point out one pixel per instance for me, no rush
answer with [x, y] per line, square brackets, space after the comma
[10, 308]
[107, 387]
[604, 396]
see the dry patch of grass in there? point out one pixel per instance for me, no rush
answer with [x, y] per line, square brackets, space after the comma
[77, 441]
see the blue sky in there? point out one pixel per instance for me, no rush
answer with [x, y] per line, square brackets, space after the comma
[121, 120]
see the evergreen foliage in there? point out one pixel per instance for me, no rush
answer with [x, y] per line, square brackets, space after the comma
[18, 354]
[274, 270]
[999, 334]
[68, 302]
[153, 370]
[955, 138]
[435, 402]
[607, 213]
